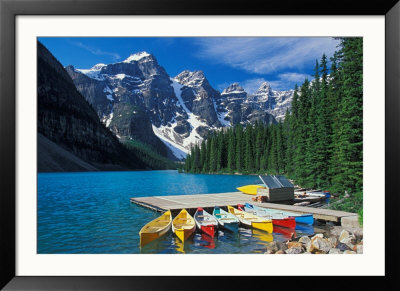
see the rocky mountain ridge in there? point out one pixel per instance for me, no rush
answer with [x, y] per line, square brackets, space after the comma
[70, 134]
[136, 95]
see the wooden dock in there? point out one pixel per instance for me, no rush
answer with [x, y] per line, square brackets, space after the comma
[176, 202]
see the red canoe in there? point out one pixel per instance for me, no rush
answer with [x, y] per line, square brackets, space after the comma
[208, 229]
[288, 222]
[277, 218]
[205, 222]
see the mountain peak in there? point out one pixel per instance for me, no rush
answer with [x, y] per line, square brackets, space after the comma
[190, 79]
[98, 67]
[137, 56]
[264, 88]
[190, 74]
[233, 88]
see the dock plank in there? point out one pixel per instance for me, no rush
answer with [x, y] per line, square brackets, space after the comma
[177, 202]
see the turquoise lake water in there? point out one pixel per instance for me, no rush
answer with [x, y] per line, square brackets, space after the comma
[91, 213]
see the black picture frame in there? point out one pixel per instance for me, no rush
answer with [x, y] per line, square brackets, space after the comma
[8, 12]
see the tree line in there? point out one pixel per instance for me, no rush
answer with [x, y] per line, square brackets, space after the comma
[320, 142]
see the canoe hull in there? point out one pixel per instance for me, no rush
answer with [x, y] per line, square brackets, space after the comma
[231, 226]
[155, 228]
[208, 229]
[249, 189]
[265, 226]
[279, 220]
[250, 220]
[289, 222]
[206, 222]
[184, 234]
[299, 218]
[226, 220]
[146, 238]
[305, 219]
[183, 225]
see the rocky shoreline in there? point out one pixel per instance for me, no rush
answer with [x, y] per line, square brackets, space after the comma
[336, 240]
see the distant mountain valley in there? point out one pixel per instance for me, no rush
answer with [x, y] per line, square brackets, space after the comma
[137, 100]
[133, 115]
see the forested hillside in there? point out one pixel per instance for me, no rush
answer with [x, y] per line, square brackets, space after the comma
[70, 134]
[320, 142]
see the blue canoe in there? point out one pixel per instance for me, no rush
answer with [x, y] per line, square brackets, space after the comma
[307, 218]
[226, 220]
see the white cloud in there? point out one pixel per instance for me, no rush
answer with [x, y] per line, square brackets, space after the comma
[252, 85]
[224, 85]
[294, 77]
[285, 81]
[97, 51]
[265, 55]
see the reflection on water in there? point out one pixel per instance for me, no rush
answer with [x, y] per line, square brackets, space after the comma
[304, 229]
[245, 241]
[262, 236]
[179, 245]
[206, 241]
[287, 233]
[90, 213]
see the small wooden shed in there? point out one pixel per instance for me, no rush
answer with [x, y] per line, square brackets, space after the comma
[277, 188]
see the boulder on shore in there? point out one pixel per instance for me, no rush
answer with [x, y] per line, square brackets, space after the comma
[294, 250]
[319, 244]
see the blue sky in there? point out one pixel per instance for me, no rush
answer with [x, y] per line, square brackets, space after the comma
[281, 61]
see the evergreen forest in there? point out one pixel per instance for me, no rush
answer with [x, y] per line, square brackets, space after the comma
[319, 143]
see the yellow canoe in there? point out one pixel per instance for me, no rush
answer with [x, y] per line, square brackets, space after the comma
[251, 220]
[183, 225]
[250, 189]
[155, 228]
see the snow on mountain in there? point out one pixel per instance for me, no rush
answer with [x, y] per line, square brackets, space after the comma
[184, 141]
[178, 151]
[274, 102]
[136, 57]
[181, 110]
[178, 91]
[93, 72]
[191, 79]
[235, 88]
[98, 66]
[222, 116]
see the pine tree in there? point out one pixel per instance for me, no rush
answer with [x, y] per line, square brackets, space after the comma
[206, 168]
[196, 159]
[280, 148]
[319, 144]
[231, 151]
[203, 155]
[335, 97]
[311, 167]
[239, 151]
[350, 142]
[273, 154]
[301, 134]
[258, 151]
[323, 150]
[288, 135]
[213, 154]
[292, 131]
[248, 156]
